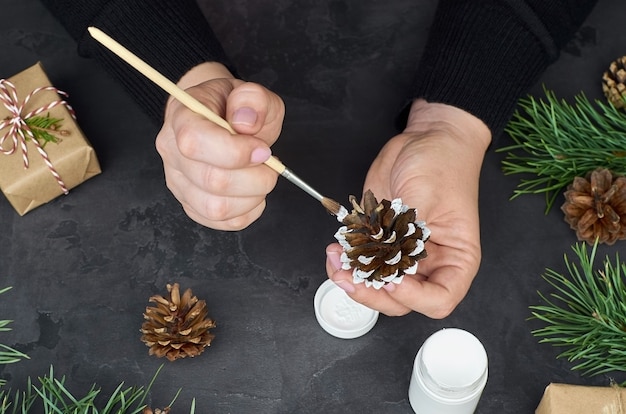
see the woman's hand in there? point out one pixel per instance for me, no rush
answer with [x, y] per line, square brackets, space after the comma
[434, 166]
[219, 178]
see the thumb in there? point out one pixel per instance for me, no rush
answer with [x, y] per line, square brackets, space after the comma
[252, 109]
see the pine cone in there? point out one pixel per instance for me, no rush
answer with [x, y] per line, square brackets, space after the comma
[381, 241]
[596, 207]
[614, 82]
[177, 327]
[148, 410]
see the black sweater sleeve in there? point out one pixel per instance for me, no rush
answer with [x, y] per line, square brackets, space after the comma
[483, 55]
[171, 35]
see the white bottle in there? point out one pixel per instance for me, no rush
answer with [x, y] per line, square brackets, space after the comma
[449, 373]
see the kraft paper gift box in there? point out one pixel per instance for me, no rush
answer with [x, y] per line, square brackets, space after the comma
[70, 161]
[579, 399]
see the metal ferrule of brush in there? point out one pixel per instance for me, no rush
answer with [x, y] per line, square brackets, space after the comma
[288, 174]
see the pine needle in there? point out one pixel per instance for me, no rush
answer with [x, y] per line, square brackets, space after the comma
[586, 314]
[556, 142]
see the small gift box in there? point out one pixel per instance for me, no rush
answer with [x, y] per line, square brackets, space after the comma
[579, 399]
[43, 152]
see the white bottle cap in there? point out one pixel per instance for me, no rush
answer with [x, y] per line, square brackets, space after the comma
[340, 315]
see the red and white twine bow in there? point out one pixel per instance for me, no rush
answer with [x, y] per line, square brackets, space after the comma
[19, 132]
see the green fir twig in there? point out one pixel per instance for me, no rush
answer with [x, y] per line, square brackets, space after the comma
[556, 142]
[46, 128]
[8, 355]
[587, 313]
[53, 396]
[56, 398]
[18, 403]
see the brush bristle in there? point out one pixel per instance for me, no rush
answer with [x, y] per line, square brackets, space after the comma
[334, 208]
[331, 205]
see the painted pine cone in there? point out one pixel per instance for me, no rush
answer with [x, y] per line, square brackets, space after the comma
[177, 327]
[595, 207]
[381, 241]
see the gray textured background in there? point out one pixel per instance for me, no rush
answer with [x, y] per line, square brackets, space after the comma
[83, 266]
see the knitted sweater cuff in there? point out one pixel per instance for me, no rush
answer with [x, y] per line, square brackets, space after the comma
[467, 69]
[172, 37]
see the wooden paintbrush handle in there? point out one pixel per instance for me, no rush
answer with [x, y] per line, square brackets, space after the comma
[170, 87]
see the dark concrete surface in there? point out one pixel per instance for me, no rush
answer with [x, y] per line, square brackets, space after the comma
[83, 266]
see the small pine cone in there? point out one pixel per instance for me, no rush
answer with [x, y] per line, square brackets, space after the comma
[177, 327]
[148, 410]
[595, 207]
[614, 83]
[381, 241]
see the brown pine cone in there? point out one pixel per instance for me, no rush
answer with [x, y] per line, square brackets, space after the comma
[595, 207]
[614, 82]
[148, 410]
[381, 241]
[177, 327]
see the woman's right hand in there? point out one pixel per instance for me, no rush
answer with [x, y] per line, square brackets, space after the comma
[219, 178]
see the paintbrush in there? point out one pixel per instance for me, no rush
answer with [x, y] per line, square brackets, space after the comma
[193, 104]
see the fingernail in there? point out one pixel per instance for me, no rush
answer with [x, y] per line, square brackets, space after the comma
[244, 116]
[389, 287]
[345, 286]
[260, 155]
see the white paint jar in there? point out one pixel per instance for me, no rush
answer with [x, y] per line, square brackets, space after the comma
[340, 315]
[449, 373]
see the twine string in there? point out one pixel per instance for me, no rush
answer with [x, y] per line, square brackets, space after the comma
[19, 133]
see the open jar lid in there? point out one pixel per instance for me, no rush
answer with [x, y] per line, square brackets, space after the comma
[340, 315]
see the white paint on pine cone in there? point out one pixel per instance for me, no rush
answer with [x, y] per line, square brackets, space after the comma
[398, 207]
[419, 247]
[345, 261]
[342, 214]
[411, 230]
[398, 279]
[361, 274]
[425, 230]
[411, 270]
[366, 260]
[391, 238]
[390, 277]
[394, 260]
[378, 235]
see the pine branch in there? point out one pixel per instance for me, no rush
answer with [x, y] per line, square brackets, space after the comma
[556, 142]
[55, 398]
[586, 314]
